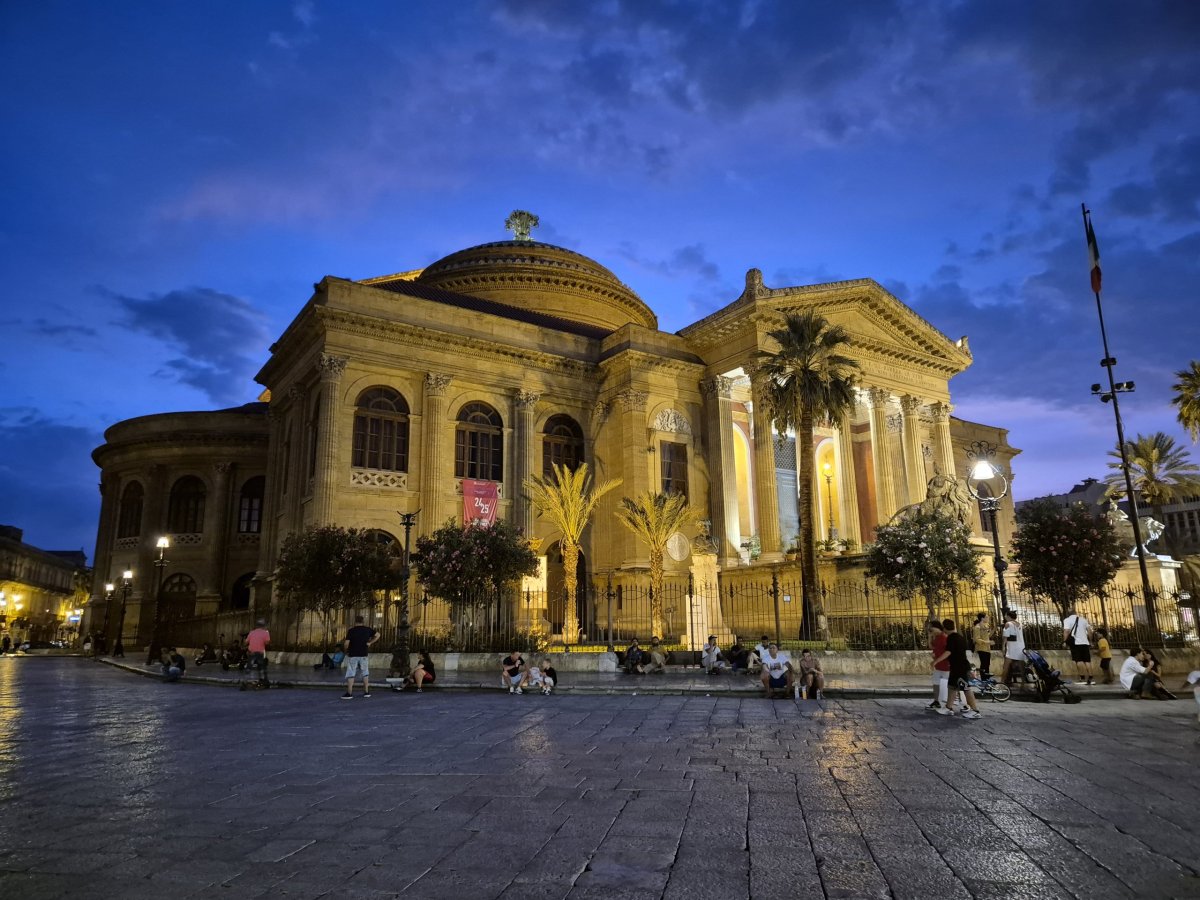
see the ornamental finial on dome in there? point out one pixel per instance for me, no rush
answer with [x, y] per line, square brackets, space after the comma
[519, 222]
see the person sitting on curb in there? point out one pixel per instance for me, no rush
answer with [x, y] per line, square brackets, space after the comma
[423, 672]
[206, 655]
[1133, 673]
[634, 661]
[512, 670]
[174, 665]
[760, 650]
[778, 673]
[658, 657]
[711, 657]
[739, 658]
[331, 659]
[812, 679]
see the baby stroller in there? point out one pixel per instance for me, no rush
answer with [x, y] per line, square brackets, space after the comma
[1048, 680]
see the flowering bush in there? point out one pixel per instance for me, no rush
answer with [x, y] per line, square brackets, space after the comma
[1064, 554]
[329, 568]
[925, 553]
[472, 565]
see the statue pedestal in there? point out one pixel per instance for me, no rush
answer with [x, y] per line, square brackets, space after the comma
[704, 606]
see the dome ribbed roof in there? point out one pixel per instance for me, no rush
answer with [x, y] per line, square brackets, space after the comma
[543, 278]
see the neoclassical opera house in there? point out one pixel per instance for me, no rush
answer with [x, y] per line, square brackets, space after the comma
[384, 394]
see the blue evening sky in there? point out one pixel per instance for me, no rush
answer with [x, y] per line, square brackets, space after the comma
[177, 175]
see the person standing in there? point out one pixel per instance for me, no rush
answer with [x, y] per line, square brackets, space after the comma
[940, 665]
[357, 646]
[981, 634]
[1014, 643]
[257, 642]
[960, 673]
[1104, 648]
[1077, 633]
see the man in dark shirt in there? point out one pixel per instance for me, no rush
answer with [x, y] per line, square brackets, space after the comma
[512, 670]
[960, 671]
[174, 665]
[357, 645]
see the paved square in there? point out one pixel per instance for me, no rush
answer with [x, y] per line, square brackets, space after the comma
[119, 786]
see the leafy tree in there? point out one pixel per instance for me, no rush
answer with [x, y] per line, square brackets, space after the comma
[926, 553]
[1064, 554]
[654, 518]
[330, 568]
[808, 380]
[568, 500]
[1159, 469]
[1187, 398]
[472, 565]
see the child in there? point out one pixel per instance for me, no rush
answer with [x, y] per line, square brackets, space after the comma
[1193, 681]
[1105, 654]
[549, 677]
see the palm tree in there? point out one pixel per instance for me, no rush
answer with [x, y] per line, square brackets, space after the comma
[1159, 469]
[808, 380]
[654, 518]
[1187, 398]
[568, 500]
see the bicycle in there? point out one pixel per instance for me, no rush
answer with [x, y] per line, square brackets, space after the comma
[990, 687]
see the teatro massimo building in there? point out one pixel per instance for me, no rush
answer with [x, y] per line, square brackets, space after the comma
[384, 394]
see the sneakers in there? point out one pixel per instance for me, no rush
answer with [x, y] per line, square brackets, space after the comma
[934, 705]
[366, 694]
[944, 711]
[418, 690]
[546, 691]
[820, 696]
[512, 690]
[1091, 680]
[972, 714]
[347, 696]
[519, 691]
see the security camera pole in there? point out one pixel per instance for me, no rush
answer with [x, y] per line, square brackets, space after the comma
[1111, 395]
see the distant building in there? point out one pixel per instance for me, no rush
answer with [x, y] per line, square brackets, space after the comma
[42, 592]
[1090, 492]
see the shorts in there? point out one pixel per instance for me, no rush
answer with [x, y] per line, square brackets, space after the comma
[356, 667]
[514, 680]
[780, 682]
[959, 679]
[1081, 653]
[1105, 663]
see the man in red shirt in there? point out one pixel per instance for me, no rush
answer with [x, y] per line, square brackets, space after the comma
[940, 666]
[257, 642]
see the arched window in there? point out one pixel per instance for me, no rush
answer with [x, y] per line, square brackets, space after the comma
[562, 444]
[381, 431]
[185, 513]
[479, 443]
[178, 599]
[129, 524]
[250, 505]
[239, 596]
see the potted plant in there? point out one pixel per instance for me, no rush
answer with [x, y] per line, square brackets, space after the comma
[830, 546]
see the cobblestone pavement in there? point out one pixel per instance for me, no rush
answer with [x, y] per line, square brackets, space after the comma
[118, 786]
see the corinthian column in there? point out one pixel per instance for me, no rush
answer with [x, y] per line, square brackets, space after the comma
[525, 459]
[885, 478]
[848, 481]
[914, 465]
[433, 462]
[634, 467]
[328, 471]
[216, 541]
[943, 447]
[718, 415]
[766, 492]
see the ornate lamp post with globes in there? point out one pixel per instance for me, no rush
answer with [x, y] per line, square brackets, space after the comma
[155, 652]
[126, 585]
[400, 655]
[983, 471]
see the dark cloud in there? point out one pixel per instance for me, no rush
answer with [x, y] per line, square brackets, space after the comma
[688, 262]
[223, 338]
[61, 329]
[47, 483]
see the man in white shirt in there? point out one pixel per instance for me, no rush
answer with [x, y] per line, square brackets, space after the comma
[1077, 632]
[778, 673]
[760, 650]
[1014, 644]
[711, 657]
[1133, 673]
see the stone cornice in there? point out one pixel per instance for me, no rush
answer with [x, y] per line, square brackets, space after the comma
[344, 322]
[176, 440]
[643, 360]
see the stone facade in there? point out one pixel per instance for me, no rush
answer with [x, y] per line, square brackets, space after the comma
[382, 395]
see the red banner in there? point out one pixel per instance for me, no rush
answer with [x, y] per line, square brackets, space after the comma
[480, 499]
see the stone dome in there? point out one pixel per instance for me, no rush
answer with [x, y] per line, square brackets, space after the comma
[542, 278]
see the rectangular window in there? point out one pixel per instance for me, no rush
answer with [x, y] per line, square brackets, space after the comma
[477, 455]
[250, 516]
[674, 467]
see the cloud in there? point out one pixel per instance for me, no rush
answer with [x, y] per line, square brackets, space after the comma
[222, 338]
[687, 262]
[47, 483]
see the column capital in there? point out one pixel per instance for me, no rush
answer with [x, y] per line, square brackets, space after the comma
[719, 385]
[436, 383]
[877, 397]
[527, 400]
[600, 412]
[633, 401]
[909, 405]
[222, 469]
[940, 412]
[295, 393]
[331, 367]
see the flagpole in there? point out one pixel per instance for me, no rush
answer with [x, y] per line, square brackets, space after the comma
[1108, 363]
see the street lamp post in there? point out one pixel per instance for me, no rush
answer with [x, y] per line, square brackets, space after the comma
[400, 655]
[109, 590]
[154, 654]
[982, 471]
[828, 470]
[126, 584]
